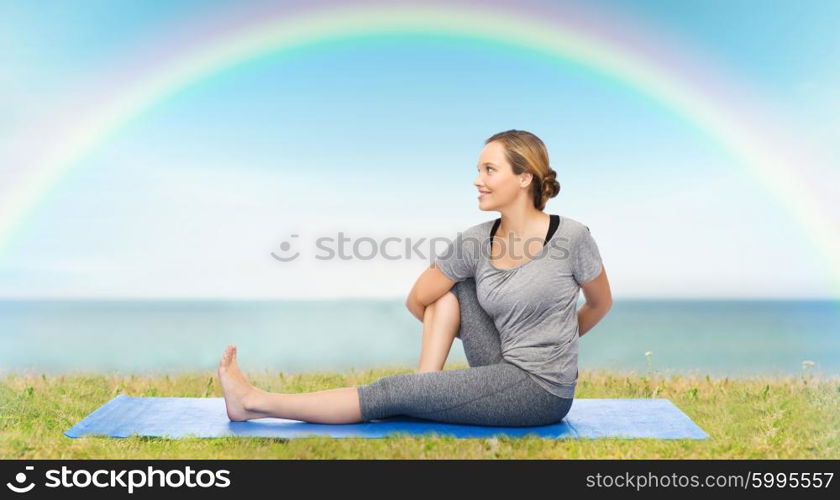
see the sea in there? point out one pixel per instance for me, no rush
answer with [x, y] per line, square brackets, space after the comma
[706, 337]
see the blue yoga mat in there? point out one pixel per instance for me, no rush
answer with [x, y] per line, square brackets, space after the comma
[124, 416]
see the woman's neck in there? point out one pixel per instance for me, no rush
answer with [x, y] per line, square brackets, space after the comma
[521, 223]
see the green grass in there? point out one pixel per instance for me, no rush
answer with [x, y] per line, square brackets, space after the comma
[762, 417]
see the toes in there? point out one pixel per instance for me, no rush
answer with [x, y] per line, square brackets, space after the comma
[229, 356]
[226, 356]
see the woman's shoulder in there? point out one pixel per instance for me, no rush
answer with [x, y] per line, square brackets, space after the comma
[572, 227]
[481, 229]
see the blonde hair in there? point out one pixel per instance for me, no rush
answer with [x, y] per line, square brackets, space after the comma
[526, 153]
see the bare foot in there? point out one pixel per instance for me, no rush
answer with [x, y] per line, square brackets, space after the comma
[238, 391]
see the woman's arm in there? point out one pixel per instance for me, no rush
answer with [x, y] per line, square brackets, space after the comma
[417, 309]
[430, 286]
[598, 302]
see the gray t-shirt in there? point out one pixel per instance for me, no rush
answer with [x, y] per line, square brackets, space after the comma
[534, 305]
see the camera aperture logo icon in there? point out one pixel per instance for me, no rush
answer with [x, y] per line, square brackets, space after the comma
[20, 477]
[285, 246]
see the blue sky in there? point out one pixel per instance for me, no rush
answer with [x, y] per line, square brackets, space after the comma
[379, 137]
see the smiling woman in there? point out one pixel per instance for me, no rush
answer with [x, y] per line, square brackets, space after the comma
[523, 152]
[518, 323]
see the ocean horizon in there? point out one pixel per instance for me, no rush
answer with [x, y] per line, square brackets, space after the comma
[718, 337]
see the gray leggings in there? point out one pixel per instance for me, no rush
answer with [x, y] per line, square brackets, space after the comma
[491, 392]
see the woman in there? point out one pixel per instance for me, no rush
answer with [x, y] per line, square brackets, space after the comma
[507, 288]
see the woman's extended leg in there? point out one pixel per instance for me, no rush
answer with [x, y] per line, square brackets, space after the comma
[499, 394]
[491, 392]
[245, 402]
[457, 313]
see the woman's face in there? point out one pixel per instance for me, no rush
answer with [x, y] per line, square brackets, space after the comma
[498, 186]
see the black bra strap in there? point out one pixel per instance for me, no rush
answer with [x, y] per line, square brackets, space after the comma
[555, 222]
[552, 227]
[495, 227]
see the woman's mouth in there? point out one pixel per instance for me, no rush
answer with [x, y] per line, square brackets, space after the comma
[482, 195]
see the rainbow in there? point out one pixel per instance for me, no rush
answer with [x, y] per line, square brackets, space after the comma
[571, 38]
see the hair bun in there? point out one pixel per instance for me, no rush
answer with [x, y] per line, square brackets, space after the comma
[550, 186]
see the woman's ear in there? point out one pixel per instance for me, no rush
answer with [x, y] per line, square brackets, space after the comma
[525, 179]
